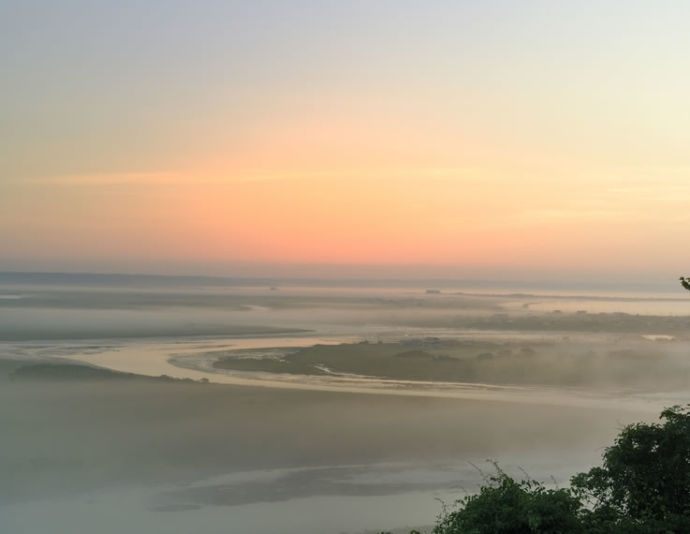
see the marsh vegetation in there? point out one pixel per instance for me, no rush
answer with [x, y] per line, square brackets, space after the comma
[367, 404]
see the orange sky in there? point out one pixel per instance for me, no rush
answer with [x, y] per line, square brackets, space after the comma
[395, 135]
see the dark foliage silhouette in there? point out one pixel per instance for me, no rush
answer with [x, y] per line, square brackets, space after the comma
[642, 487]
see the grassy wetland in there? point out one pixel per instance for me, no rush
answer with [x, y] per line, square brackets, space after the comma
[246, 408]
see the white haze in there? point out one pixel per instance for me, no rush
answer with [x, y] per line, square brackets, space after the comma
[258, 452]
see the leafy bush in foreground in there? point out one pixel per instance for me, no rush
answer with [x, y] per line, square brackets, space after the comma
[644, 483]
[505, 506]
[642, 487]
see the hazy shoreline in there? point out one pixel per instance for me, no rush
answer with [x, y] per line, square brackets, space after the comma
[367, 433]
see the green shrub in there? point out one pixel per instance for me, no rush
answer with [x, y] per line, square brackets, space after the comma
[644, 482]
[642, 487]
[506, 506]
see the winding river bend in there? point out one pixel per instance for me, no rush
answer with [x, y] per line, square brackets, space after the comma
[194, 359]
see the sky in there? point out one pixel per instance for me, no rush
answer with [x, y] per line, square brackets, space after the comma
[402, 138]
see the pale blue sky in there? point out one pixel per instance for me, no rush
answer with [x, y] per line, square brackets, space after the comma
[88, 73]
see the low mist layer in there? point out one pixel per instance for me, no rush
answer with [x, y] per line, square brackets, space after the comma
[87, 435]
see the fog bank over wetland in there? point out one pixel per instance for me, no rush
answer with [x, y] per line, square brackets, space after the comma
[310, 407]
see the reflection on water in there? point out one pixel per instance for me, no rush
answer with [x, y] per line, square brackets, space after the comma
[329, 452]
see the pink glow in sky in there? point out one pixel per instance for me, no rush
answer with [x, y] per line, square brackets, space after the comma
[496, 135]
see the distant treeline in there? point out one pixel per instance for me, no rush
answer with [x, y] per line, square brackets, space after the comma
[75, 371]
[458, 283]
